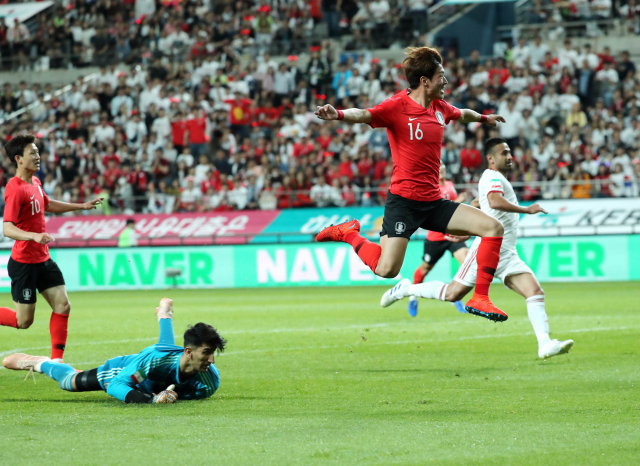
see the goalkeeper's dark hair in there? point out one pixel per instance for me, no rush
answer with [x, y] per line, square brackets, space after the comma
[200, 334]
[15, 147]
[491, 143]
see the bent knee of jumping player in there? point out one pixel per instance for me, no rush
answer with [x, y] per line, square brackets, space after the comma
[24, 322]
[492, 228]
[388, 270]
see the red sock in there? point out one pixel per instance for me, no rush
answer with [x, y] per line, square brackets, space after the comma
[58, 330]
[488, 257]
[8, 317]
[367, 251]
[418, 276]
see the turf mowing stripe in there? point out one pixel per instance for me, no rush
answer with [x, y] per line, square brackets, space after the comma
[382, 343]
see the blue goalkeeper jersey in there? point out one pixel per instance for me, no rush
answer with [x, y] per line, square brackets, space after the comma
[152, 371]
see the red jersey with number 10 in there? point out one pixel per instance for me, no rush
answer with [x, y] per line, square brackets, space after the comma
[24, 207]
[415, 136]
[448, 192]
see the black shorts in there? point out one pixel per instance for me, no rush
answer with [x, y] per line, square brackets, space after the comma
[27, 278]
[434, 250]
[402, 217]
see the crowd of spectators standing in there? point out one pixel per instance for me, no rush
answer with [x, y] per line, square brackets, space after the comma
[100, 32]
[220, 132]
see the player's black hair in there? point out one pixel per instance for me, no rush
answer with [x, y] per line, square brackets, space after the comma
[420, 61]
[15, 147]
[491, 143]
[130, 221]
[201, 333]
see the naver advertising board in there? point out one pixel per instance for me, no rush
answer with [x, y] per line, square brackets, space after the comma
[586, 258]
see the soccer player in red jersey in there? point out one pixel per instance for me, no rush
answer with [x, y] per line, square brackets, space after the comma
[415, 122]
[30, 266]
[436, 244]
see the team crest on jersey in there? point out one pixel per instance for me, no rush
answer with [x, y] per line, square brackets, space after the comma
[440, 118]
[26, 294]
[400, 228]
[138, 377]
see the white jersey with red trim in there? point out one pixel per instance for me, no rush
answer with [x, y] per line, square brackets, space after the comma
[493, 181]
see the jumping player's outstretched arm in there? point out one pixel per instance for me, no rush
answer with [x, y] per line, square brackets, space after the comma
[351, 115]
[470, 116]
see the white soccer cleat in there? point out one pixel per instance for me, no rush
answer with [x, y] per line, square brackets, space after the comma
[23, 362]
[396, 293]
[165, 310]
[554, 348]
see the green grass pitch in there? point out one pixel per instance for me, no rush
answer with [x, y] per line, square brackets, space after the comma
[325, 376]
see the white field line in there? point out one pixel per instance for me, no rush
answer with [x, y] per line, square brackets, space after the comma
[302, 348]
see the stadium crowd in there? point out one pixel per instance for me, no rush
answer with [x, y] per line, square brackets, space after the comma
[211, 130]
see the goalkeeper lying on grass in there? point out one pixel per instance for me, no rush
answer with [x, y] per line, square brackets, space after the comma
[161, 373]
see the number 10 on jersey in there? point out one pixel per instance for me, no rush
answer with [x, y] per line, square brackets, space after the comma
[35, 207]
[418, 133]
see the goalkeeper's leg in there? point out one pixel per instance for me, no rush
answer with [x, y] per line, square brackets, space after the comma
[68, 378]
[164, 312]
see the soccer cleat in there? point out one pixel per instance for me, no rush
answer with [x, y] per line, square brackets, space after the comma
[22, 362]
[396, 293]
[165, 310]
[483, 307]
[554, 348]
[460, 307]
[413, 306]
[337, 232]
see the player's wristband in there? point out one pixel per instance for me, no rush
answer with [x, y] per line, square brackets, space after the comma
[340, 114]
[484, 119]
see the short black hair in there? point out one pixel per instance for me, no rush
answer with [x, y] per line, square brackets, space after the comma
[131, 221]
[15, 147]
[491, 143]
[201, 333]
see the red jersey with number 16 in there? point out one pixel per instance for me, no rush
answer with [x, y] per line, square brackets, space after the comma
[24, 207]
[415, 136]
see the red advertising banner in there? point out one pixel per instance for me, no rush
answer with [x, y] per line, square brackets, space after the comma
[161, 230]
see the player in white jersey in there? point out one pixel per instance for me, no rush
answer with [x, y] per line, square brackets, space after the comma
[496, 198]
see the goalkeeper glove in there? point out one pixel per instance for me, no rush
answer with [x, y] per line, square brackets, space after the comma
[166, 396]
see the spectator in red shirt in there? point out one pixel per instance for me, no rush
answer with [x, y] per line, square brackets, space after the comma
[379, 166]
[470, 157]
[240, 115]
[303, 147]
[178, 132]
[345, 167]
[197, 133]
[111, 174]
[325, 138]
[161, 166]
[500, 71]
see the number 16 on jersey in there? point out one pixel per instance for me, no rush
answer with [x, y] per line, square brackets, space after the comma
[418, 132]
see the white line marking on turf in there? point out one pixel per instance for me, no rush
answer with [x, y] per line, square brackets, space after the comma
[301, 348]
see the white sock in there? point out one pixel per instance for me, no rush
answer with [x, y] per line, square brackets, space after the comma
[429, 290]
[538, 318]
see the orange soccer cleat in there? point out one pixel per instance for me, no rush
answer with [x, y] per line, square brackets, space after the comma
[337, 232]
[483, 307]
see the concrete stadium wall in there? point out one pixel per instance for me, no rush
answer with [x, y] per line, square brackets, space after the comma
[566, 259]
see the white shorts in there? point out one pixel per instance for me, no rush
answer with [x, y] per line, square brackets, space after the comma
[510, 264]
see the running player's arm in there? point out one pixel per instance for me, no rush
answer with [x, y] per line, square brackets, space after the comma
[58, 207]
[351, 115]
[498, 202]
[469, 116]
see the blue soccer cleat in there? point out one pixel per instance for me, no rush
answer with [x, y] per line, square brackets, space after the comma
[460, 307]
[413, 306]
